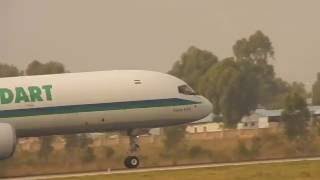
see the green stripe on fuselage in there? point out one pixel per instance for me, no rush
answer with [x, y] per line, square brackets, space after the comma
[95, 107]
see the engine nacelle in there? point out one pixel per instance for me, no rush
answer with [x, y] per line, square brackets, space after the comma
[8, 140]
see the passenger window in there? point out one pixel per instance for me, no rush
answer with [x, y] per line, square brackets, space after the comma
[185, 89]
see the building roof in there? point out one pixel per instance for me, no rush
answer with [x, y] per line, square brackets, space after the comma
[268, 113]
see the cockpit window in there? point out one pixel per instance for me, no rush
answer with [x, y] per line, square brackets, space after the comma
[185, 89]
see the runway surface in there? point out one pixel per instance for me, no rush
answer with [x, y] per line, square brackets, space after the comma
[171, 168]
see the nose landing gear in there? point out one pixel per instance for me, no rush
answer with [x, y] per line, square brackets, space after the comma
[132, 161]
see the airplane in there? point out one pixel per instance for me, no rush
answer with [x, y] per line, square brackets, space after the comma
[133, 101]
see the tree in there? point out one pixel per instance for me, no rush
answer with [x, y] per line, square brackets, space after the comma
[237, 85]
[174, 138]
[84, 144]
[9, 71]
[295, 115]
[72, 142]
[84, 140]
[274, 98]
[193, 64]
[214, 82]
[316, 91]
[109, 151]
[80, 142]
[88, 155]
[257, 48]
[241, 96]
[46, 147]
[232, 87]
[298, 87]
[38, 68]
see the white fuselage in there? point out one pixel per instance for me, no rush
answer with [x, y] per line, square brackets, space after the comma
[96, 102]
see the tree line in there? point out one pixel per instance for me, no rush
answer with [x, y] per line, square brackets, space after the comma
[245, 81]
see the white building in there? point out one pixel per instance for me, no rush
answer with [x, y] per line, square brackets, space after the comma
[254, 121]
[204, 127]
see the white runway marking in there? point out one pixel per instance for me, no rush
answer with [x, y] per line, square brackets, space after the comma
[163, 168]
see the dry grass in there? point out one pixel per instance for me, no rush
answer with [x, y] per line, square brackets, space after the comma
[307, 170]
[154, 154]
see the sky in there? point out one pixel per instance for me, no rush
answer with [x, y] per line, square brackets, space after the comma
[90, 35]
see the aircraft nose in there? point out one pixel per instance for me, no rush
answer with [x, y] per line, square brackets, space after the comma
[207, 106]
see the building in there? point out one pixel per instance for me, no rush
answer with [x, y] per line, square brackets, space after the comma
[254, 121]
[315, 111]
[204, 127]
[272, 115]
[263, 118]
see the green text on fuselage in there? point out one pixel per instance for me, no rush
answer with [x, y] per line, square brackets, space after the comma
[25, 94]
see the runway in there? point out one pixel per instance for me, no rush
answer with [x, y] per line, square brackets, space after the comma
[171, 168]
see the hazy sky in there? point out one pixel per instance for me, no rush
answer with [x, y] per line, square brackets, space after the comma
[146, 34]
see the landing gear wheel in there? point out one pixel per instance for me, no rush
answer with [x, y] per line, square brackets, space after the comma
[131, 162]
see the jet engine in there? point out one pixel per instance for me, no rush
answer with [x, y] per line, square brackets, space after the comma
[7, 140]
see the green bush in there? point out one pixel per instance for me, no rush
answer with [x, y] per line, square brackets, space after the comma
[251, 150]
[109, 151]
[195, 151]
[243, 149]
[198, 151]
[88, 155]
